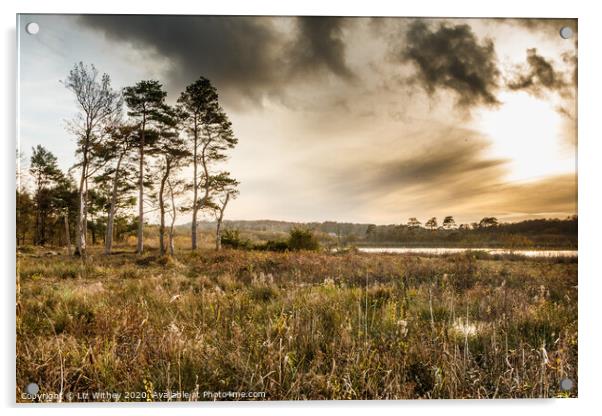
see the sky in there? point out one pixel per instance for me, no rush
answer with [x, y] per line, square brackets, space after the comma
[370, 120]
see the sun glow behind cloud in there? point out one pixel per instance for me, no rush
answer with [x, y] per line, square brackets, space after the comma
[528, 131]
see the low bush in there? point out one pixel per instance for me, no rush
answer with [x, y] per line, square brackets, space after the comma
[303, 239]
[232, 239]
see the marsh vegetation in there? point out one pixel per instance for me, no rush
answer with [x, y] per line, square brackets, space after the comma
[297, 325]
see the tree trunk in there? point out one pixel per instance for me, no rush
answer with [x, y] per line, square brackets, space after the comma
[194, 223]
[67, 236]
[220, 218]
[112, 209]
[218, 236]
[38, 232]
[162, 208]
[85, 227]
[43, 229]
[206, 176]
[193, 230]
[81, 212]
[173, 219]
[140, 243]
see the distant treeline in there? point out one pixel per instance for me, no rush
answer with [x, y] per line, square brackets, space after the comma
[489, 232]
[550, 233]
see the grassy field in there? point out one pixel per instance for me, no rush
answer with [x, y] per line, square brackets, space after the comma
[298, 325]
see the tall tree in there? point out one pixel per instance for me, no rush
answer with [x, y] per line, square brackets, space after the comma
[172, 150]
[115, 182]
[431, 224]
[98, 105]
[46, 173]
[145, 101]
[488, 222]
[211, 134]
[449, 222]
[414, 223]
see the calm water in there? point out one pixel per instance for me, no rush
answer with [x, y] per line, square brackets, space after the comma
[422, 250]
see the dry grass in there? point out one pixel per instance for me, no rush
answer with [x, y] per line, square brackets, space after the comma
[297, 325]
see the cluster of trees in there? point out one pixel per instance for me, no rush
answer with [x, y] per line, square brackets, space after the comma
[131, 149]
[449, 223]
[46, 213]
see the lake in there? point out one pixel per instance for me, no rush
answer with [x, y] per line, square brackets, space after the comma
[423, 250]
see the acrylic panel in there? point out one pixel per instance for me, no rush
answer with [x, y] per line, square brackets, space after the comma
[295, 208]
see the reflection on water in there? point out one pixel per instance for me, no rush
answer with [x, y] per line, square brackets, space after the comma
[422, 250]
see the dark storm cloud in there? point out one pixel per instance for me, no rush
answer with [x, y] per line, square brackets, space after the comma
[446, 162]
[319, 45]
[452, 58]
[454, 161]
[234, 52]
[246, 57]
[538, 76]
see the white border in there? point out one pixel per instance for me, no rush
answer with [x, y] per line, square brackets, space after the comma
[590, 209]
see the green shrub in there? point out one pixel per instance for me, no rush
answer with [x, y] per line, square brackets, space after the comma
[232, 239]
[303, 239]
